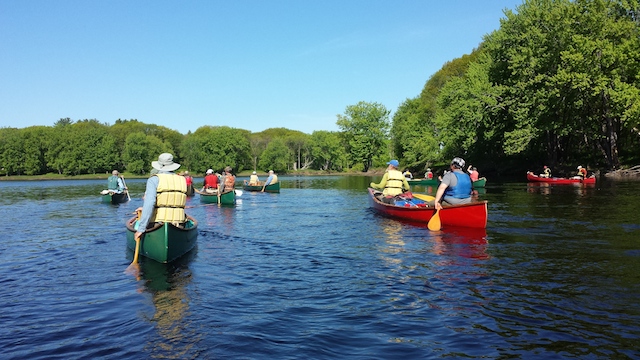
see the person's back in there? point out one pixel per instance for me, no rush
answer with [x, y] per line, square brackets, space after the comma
[253, 179]
[272, 179]
[228, 180]
[394, 185]
[428, 175]
[210, 181]
[115, 183]
[458, 187]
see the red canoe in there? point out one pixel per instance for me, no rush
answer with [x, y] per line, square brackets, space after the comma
[554, 180]
[472, 215]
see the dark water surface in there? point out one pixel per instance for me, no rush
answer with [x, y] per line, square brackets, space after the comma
[312, 273]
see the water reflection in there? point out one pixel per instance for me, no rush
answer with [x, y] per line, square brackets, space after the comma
[167, 285]
[465, 242]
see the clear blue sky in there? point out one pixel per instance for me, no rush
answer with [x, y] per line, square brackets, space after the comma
[248, 64]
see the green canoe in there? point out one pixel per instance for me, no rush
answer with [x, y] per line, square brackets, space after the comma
[226, 198]
[115, 198]
[164, 242]
[425, 182]
[272, 188]
[480, 183]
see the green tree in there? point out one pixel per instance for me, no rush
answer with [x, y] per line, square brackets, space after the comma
[568, 71]
[216, 147]
[12, 154]
[35, 149]
[365, 128]
[276, 157]
[413, 135]
[327, 151]
[140, 150]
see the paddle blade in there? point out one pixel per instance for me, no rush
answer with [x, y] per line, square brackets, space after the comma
[423, 197]
[134, 267]
[434, 222]
[238, 192]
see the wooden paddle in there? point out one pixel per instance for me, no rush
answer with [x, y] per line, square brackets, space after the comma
[424, 197]
[434, 222]
[125, 188]
[133, 268]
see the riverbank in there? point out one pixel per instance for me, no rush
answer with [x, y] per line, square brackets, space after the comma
[247, 173]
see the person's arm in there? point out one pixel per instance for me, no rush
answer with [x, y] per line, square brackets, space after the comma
[382, 183]
[268, 180]
[121, 186]
[148, 205]
[439, 193]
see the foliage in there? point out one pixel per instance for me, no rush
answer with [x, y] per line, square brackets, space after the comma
[327, 151]
[276, 156]
[365, 126]
[141, 149]
[568, 71]
[215, 147]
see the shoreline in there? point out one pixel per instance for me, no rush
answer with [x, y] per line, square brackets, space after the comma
[50, 176]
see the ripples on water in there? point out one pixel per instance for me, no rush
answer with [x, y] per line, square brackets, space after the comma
[313, 273]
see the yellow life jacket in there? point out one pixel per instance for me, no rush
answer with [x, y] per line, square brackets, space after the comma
[274, 179]
[253, 180]
[171, 199]
[394, 183]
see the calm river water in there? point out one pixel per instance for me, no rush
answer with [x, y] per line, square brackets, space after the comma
[312, 273]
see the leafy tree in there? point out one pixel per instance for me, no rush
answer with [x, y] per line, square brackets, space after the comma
[276, 157]
[327, 151]
[569, 75]
[217, 147]
[35, 149]
[413, 135]
[466, 107]
[257, 144]
[140, 150]
[298, 143]
[365, 127]
[12, 153]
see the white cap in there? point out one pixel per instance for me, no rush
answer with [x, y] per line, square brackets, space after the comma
[210, 171]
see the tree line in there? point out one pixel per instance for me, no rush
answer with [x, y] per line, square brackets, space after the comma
[557, 84]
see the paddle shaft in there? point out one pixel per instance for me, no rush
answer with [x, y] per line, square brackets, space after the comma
[125, 188]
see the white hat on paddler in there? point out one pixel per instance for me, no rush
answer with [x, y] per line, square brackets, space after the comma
[165, 163]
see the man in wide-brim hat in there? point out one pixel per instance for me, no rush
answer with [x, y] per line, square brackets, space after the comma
[164, 182]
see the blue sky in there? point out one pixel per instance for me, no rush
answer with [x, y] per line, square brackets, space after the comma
[248, 64]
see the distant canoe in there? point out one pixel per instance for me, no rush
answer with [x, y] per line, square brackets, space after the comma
[226, 198]
[164, 242]
[472, 215]
[115, 198]
[272, 188]
[426, 182]
[480, 183]
[554, 180]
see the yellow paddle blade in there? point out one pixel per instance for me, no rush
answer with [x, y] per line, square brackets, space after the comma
[424, 197]
[434, 222]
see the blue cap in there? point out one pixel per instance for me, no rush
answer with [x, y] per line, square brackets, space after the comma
[394, 163]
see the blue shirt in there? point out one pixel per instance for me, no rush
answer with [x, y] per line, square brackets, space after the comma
[269, 179]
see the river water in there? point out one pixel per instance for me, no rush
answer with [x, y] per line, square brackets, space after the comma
[313, 273]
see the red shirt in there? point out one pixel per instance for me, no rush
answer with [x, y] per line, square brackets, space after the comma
[211, 181]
